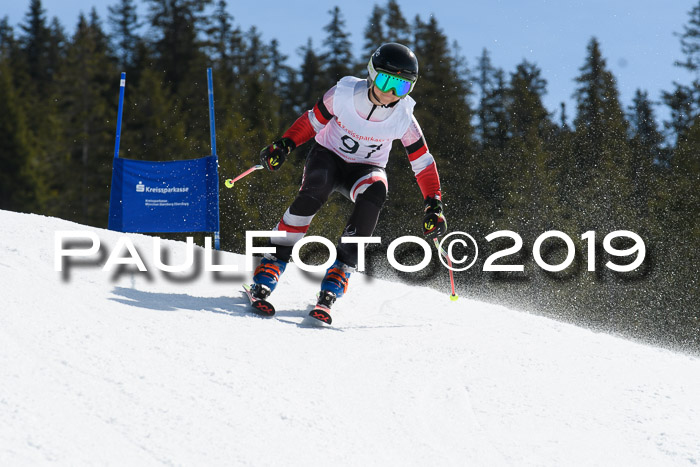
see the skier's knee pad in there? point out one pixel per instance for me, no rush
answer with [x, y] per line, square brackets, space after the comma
[375, 194]
[307, 203]
[313, 201]
[317, 185]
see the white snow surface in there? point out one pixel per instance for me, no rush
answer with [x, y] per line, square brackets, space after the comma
[106, 368]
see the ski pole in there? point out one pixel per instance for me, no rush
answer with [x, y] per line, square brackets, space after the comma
[229, 182]
[453, 296]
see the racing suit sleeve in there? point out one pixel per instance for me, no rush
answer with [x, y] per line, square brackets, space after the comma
[422, 162]
[312, 121]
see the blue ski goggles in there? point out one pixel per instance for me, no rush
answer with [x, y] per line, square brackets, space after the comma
[399, 86]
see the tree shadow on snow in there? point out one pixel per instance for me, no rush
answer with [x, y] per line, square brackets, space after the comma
[234, 306]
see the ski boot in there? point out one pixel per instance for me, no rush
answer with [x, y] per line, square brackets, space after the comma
[321, 314]
[265, 280]
[333, 286]
[267, 274]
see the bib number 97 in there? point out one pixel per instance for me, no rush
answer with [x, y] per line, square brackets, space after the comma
[350, 146]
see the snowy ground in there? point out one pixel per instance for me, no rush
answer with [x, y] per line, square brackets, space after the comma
[148, 369]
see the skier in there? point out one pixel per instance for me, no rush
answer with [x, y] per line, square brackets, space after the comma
[354, 125]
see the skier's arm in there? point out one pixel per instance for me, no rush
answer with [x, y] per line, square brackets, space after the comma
[422, 161]
[425, 170]
[312, 121]
[273, 156]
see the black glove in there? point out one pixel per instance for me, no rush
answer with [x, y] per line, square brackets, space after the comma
[272, 157]
[434, 223]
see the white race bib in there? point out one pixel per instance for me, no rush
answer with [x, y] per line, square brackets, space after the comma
[356, 139]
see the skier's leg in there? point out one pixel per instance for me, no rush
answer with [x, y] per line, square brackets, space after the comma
[363, 220]
[266, 276]
[369, 193]
[320, 173]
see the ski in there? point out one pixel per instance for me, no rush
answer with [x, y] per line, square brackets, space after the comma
[319, 316]
[259, 306]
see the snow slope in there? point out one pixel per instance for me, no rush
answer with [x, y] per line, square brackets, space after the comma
[130, 368]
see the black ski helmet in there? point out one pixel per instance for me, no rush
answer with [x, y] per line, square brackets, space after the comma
[396, 59]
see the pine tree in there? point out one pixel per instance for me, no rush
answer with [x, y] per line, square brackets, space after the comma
[36, 42]
[684, 100]
[397, 28]
[563, 118]
[220, 34]
[690, 42]
[644, 129]
[311, 82]
[532, 200]
[35, 61]
[7, 37]
[178, 28]
[374, 33]
[592, 111]
[527, 114]
[84, 89]
[490, 165]
[685, 201]
[278, 69]
[57, 46]
[337, 58]
[259, 103]
[601, 175]
[682, 107]
[124, 23]
[492, 126]
[284, 81]
[9, 45]
[16, 184]
[176, 24]
[685, 121]
[442, 89]
[152, 129]
[564, 159]
[647, 150]
[238, 50]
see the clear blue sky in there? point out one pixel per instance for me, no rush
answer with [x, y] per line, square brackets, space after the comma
[636, 35]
